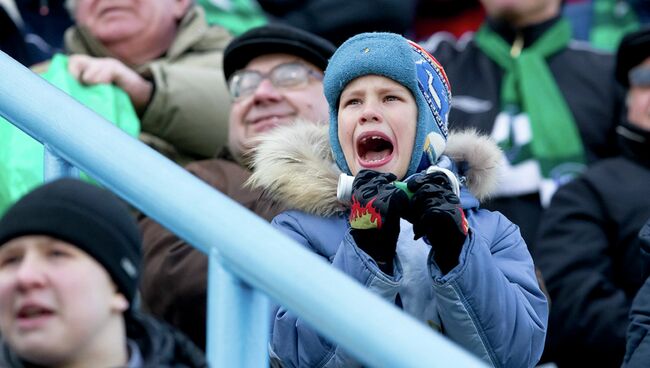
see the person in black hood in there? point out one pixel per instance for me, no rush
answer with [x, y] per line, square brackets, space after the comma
[635, 59]
[69, 268]
[588, 247]
[550, 102]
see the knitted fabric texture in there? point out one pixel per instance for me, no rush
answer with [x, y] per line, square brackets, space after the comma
[394, 57]
[88, 217]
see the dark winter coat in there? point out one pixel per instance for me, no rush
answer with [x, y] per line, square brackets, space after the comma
[174, 276]
[637, 353]
[589, 253]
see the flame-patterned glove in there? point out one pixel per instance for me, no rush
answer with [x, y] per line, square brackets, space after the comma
[435, 212]
[375, 213]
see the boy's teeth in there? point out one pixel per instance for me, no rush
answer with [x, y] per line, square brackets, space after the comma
[374, 156]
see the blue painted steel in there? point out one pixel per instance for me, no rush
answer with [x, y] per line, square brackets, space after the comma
[239, 323]
[55, 167]
[342, 310]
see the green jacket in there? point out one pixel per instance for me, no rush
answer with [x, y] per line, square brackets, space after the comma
[190, 105]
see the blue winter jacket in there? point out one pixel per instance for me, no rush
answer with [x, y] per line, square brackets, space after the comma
[490, 303]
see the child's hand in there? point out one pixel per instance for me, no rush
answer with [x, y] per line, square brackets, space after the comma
[435, 212]
[377, 206]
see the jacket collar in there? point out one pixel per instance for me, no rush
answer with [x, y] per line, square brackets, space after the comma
[293, 165]
[634, 143]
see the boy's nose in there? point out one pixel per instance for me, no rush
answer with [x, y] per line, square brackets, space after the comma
[370, 114]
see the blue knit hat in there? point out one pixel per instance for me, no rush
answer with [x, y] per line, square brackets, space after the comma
[394, 57]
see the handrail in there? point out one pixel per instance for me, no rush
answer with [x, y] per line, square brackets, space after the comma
[246, 246]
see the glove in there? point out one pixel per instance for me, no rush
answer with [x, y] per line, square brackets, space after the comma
[435, 212]
[377, 206]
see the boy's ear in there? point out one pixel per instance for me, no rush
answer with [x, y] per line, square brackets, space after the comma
[119, 303]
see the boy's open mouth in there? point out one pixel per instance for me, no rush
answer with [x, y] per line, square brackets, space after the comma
[374, 149]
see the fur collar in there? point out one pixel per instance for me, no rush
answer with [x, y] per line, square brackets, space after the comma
[294, 166]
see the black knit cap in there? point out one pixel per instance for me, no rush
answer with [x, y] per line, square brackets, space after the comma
[632, 51]
[86, 216]
[273, 39]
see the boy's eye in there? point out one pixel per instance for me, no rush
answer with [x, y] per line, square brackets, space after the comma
[391, 98]
[352, 101]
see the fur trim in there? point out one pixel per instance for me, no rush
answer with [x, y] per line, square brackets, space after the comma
[483, 158]
[293, 164]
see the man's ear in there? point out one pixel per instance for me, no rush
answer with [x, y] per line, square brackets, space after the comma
[119, 303]
[181, 7]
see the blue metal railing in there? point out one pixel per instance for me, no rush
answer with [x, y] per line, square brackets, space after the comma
[247, 256]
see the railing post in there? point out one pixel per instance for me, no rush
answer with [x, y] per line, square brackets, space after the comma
[55, 167]
[238, 320]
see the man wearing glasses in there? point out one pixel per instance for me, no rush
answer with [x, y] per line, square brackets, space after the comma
[274, 75]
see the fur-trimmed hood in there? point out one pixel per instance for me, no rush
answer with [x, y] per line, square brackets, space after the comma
[294, 166]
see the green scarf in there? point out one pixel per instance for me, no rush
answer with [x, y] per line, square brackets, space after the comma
[529, 86]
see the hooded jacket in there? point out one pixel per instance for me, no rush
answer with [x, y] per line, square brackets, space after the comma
[154, 343]
[494, 280]
[190, 104]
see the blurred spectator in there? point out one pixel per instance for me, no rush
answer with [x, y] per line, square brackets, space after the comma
[549, 102]
[46, 22]
[164, 55]
[637, 352]
[69, 264]
[237, 16]
[275, 77]
[588, 249]
[338, 20]
[454, 16]
[37, 26]
[12, 40]
[604, 22]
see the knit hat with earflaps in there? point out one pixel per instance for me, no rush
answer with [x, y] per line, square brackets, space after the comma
[86, 216]
[392, 56]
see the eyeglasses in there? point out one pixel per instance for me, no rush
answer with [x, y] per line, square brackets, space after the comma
[243, 83]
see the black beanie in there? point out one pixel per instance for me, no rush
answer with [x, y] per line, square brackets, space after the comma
[87, 217]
